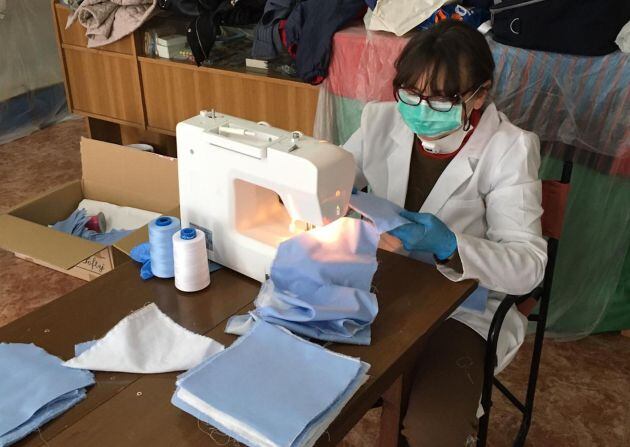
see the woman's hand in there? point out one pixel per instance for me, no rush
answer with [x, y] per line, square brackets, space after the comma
[426, 233]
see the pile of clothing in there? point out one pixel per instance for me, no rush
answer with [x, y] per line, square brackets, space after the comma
[305, 29]
[107, 21]
[402, 16]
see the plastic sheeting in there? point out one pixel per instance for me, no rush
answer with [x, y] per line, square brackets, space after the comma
[580, 108]
[32, 94]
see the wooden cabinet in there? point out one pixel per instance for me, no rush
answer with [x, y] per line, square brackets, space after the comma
[174, 92]
[117, 84]
[104, 85]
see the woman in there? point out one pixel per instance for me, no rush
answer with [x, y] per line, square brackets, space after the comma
[468, 179]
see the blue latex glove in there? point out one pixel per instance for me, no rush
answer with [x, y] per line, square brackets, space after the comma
[426, 233]
[141, 253]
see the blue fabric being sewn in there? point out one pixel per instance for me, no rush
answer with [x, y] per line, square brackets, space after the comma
[320, 283]
[35, 387]
[271, 385]
[329, 312]
[75, 226]
[384, 214]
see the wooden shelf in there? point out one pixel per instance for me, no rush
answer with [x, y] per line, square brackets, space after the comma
[117, 84]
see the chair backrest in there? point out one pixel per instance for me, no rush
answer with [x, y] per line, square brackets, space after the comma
[555, 196]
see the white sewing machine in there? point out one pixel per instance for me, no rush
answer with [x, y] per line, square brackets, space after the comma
[249, 187]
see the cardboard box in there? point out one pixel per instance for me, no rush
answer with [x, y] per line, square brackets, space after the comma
[111, 173]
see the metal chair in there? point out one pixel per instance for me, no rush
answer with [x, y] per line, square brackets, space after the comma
[554, 200]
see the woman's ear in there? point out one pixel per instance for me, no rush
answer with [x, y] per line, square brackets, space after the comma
[482, 95]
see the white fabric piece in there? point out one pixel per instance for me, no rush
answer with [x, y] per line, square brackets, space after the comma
[118, 217]
[447, 144]
[623, 38]
[147, 341]
[401, 16]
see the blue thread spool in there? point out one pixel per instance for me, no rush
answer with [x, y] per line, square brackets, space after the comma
[161, 232]
[188, 233]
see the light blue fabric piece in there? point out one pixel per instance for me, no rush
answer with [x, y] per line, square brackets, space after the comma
[274, 383]
[477, 300]
[320, 283]
[31, 379]
[44, 415]
[80, 348]
[329, 312]
[384, 214]
[75, 225]
[141, 253]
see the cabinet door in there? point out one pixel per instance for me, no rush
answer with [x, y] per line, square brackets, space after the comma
[75, 34]
[175, 91]
[104, 84]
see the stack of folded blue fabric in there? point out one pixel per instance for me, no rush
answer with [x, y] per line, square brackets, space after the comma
[35, 388]
[271, 388]
[320, 284]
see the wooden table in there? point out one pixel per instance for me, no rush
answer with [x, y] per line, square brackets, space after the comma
[135, 410]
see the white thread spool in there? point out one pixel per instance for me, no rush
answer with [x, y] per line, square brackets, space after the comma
[191, 260]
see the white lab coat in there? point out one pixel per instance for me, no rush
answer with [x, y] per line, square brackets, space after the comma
[489, 196]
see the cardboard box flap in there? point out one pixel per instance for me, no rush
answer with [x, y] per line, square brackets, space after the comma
[136, 238]
[128, 177]
[40, 242]
[52, 206]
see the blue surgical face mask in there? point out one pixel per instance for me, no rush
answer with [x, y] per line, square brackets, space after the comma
[425, 121]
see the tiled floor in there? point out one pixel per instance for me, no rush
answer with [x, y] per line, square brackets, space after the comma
[584, 389]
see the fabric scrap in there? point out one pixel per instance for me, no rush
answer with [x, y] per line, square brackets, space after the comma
[35, 388]
[75, 226]
[118, 217]
[384, 214]
[147, 341]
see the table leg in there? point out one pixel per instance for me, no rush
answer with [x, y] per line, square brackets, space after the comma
[391, 415]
